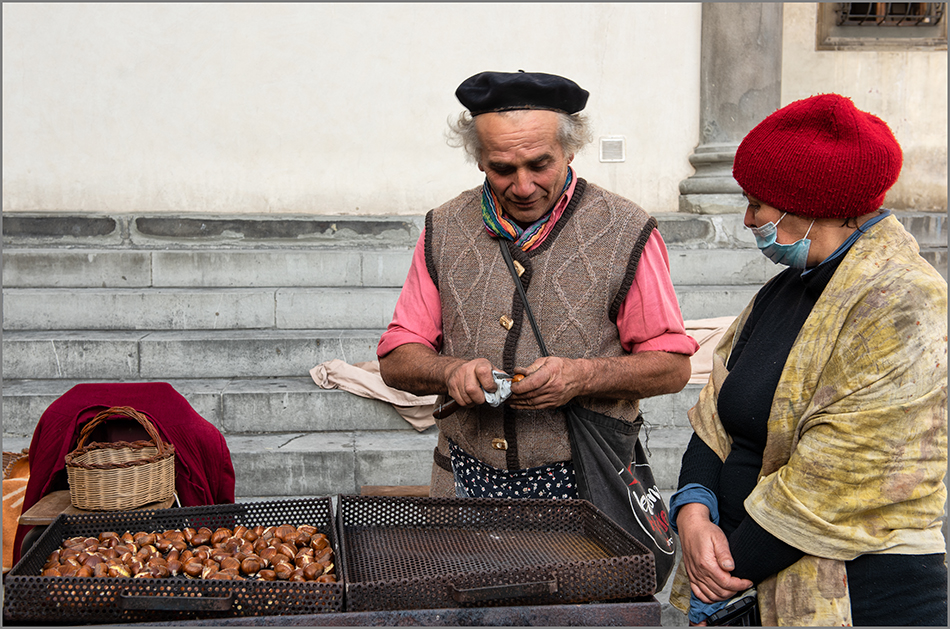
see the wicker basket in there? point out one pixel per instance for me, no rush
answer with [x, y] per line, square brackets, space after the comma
[10, 459]
[118, 476]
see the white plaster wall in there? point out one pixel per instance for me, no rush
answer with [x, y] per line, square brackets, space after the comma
[319, 108]
[908, 90]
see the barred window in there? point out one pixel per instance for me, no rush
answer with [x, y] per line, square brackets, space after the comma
[889, 13]
[882, 26]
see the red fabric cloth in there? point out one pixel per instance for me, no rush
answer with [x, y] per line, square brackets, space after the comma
[204, 473]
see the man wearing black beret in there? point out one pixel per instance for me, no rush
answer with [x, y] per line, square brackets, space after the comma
[597, 278]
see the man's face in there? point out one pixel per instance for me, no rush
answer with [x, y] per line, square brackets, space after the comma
[523, 161]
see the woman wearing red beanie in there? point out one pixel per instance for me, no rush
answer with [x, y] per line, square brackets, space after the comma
[815, 471]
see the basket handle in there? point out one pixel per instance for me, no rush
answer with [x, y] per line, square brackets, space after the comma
[122, 411]
[508, 590]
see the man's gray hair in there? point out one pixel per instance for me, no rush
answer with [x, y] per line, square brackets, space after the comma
[573, 133]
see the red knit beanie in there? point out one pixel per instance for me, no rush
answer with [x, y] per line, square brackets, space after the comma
[820, 157]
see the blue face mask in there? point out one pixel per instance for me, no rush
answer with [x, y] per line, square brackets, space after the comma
[794, 255]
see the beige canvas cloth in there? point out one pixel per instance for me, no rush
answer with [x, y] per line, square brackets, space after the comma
[707, 333]
[363, 379]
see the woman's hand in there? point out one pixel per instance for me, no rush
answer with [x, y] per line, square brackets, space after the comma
[707, 557]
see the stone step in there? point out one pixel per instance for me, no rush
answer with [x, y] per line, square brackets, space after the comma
[301, 464]
[702, 302]
[119, 355]
[256, 405]
[294, 464]
[937, 257]
[928, 228]
[58, 267]
[125, 230]
[177, 252]
[248, 309]
[197, 308]
[665, 412]
[55, 267]
[234, 406]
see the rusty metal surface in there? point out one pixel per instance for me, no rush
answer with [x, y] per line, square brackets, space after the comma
[33, 599]
[590, 554]
[641, 613]
[402, 553]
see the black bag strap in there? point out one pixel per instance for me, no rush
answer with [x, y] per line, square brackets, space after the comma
[506, 254]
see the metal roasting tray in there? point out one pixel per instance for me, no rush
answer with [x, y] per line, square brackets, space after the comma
[32, 599]
[402, 553]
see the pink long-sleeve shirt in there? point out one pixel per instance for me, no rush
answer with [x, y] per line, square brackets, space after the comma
[649, 319]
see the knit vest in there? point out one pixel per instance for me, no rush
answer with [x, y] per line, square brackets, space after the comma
[575, 281]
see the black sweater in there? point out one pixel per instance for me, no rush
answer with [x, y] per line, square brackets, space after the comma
[745, 400]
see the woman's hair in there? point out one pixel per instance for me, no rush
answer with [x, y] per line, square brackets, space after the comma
[573, 133]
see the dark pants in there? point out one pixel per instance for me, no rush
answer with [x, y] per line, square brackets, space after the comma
[898, 590]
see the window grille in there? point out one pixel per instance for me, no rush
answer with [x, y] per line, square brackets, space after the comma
[889, 13]
[881, 26]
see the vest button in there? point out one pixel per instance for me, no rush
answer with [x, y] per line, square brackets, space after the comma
[499, 444]
[506, 322]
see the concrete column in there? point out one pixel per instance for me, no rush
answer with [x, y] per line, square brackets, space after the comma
[741, 80]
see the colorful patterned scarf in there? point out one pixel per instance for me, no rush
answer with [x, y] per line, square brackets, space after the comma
[528, 238]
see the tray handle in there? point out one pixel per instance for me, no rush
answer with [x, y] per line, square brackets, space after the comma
[507, 590]
[176, 603]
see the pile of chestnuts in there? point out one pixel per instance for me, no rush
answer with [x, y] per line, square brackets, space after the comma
[269, 553]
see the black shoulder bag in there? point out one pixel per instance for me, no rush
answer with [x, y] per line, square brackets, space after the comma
[611, 467]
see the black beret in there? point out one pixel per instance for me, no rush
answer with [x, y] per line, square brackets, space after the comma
[501, 91]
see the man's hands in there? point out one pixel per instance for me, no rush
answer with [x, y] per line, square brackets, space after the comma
[468, 381]
[549, 382]
[706, 555]
[419, 369]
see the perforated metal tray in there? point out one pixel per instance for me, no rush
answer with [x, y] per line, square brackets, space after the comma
[429, 553]
[30, 598]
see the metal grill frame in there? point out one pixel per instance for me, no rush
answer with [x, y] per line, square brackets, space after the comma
[621, 568]
[30, 598]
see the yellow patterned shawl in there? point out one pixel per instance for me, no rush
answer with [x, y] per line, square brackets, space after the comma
[857, 437]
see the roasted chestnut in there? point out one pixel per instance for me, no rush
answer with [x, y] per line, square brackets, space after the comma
[285, 552]
[251, 565]
[230, 563]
